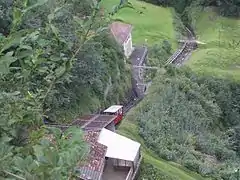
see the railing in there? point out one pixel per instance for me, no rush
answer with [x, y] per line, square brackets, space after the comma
[176, 54]
[137, 168]
[130, 173]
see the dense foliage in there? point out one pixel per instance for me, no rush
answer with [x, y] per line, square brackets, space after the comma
[5, 16]
[56, 57]
[149, 172]
[194, 121]
[157, 55]
[226, 8]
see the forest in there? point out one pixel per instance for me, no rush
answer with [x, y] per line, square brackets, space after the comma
[226, 8]
[56, 60]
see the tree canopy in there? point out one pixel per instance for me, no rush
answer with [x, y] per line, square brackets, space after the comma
[56, 57]
[226, 8]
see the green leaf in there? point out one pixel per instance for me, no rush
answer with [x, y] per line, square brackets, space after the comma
[56, 131]
[17, 15]
[54, 30]
[60, 71]
[33, 36]
[24, 53]
[13, 40]
[5, 139]
[39, 3]
[5, 62]
[19, 163]
[101, 29]
[25, 47]
[38, 151]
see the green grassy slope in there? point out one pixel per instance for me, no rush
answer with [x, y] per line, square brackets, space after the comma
[154, 24]
[220, 56]
[171, 169]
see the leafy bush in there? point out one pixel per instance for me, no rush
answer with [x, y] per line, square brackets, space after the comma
[191, 162]
[225, 8]
[206, 169]
[5, 16]
[149, 172]
[184, 119]
[192, 165]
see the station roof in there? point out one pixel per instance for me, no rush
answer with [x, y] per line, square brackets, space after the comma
[113, 109]
[120, 31]
[118, 146]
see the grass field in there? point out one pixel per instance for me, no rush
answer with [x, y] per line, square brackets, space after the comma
[153, 24]
[176, 171]
[220, 56]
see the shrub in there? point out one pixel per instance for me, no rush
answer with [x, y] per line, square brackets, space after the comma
[190, 162]
[206, 169]
[149, 172]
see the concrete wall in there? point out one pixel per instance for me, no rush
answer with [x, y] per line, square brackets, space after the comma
[127, 46]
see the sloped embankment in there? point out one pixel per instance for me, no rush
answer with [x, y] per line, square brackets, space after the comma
[219, 57]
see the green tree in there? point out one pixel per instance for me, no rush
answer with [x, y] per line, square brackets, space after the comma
[34, 60]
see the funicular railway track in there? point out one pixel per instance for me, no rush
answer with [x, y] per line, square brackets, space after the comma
[181, 54]
[177, 59]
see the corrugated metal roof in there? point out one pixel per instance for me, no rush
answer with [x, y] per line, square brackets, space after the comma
[95, 122]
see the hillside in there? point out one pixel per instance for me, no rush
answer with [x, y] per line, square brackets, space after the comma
[167, 170]
[185, 116]
[191, 120]
[151, 24]
[220, 56]
[147, 27]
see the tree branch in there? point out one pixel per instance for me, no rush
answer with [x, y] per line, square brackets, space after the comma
[14, 175]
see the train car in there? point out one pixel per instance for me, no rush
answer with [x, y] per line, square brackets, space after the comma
[115, 110]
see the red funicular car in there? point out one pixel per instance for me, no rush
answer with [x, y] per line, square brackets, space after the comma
[115, 110]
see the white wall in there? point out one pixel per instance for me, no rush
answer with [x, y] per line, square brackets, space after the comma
[127, 46]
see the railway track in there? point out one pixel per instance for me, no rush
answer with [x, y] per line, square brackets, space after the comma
[177, 58]
[186, 49]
